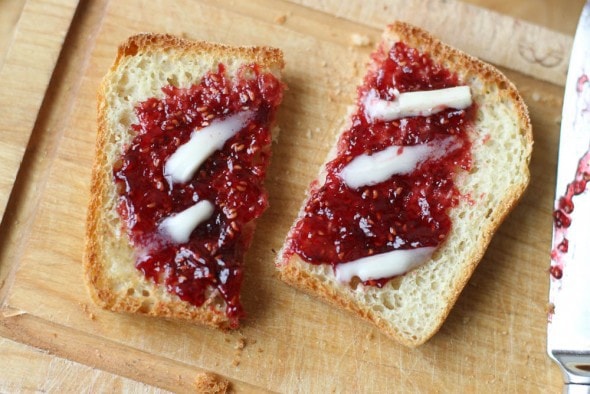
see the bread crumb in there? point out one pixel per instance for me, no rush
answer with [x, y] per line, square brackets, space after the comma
[324, 63]
[370, 336]
[281, 19]
[239, 347]
[536, 96]
[360, 40]
[466, 320]
[86, 310]
[241, 344]
[209, 383]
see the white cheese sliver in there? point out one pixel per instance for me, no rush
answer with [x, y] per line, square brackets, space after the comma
[369, 170]
[420, 103]
[184, 162]
[178, 227]
[383, 265]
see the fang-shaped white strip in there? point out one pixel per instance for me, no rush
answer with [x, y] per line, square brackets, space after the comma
[371, 169]
[178, 227]
[421, 103]
[184, 162]
[384, 265]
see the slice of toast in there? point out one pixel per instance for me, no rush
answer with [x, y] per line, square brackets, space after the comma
[410, 307]
[160, 92]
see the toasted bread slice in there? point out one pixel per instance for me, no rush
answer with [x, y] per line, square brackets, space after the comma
[411, 307]
[145, 64]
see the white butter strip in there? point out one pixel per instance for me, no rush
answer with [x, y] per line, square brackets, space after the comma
[383, 265]
[366, 170]
[421, 103]
[178, 227]
[184, 162]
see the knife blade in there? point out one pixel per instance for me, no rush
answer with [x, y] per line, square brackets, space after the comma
[568, 329]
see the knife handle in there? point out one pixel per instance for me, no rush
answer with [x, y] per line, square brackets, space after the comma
[572, 388]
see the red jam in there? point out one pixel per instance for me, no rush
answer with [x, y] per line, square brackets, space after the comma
[562, 216]
[406, 211]
[231, 179]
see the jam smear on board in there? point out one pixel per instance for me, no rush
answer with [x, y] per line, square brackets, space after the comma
[231, 179]
[341, 224]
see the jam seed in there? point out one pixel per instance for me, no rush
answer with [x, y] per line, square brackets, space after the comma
[201, 109]
[232, 214]
[234, 225]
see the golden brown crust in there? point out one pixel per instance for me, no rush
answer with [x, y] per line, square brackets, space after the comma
[294, 270]
[95, 256]
[266, 57]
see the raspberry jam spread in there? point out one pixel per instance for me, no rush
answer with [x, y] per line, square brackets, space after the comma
[408, 210]
[230, 179]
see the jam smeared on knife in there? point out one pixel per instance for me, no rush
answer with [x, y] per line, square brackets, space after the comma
[562, 219]
[562, 215]
[407, 211]
[231, 179]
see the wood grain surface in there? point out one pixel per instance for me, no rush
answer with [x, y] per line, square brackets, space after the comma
[31, 53]
[494, 339]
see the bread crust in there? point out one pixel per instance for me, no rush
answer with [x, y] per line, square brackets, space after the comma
[296, 272]
[98, 232]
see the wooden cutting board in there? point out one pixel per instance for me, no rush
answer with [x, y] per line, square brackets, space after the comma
[493, 340]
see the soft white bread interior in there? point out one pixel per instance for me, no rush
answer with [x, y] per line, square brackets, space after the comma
[144, 64]
[412, 307]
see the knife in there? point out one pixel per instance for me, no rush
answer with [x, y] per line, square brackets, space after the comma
[568, 329]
